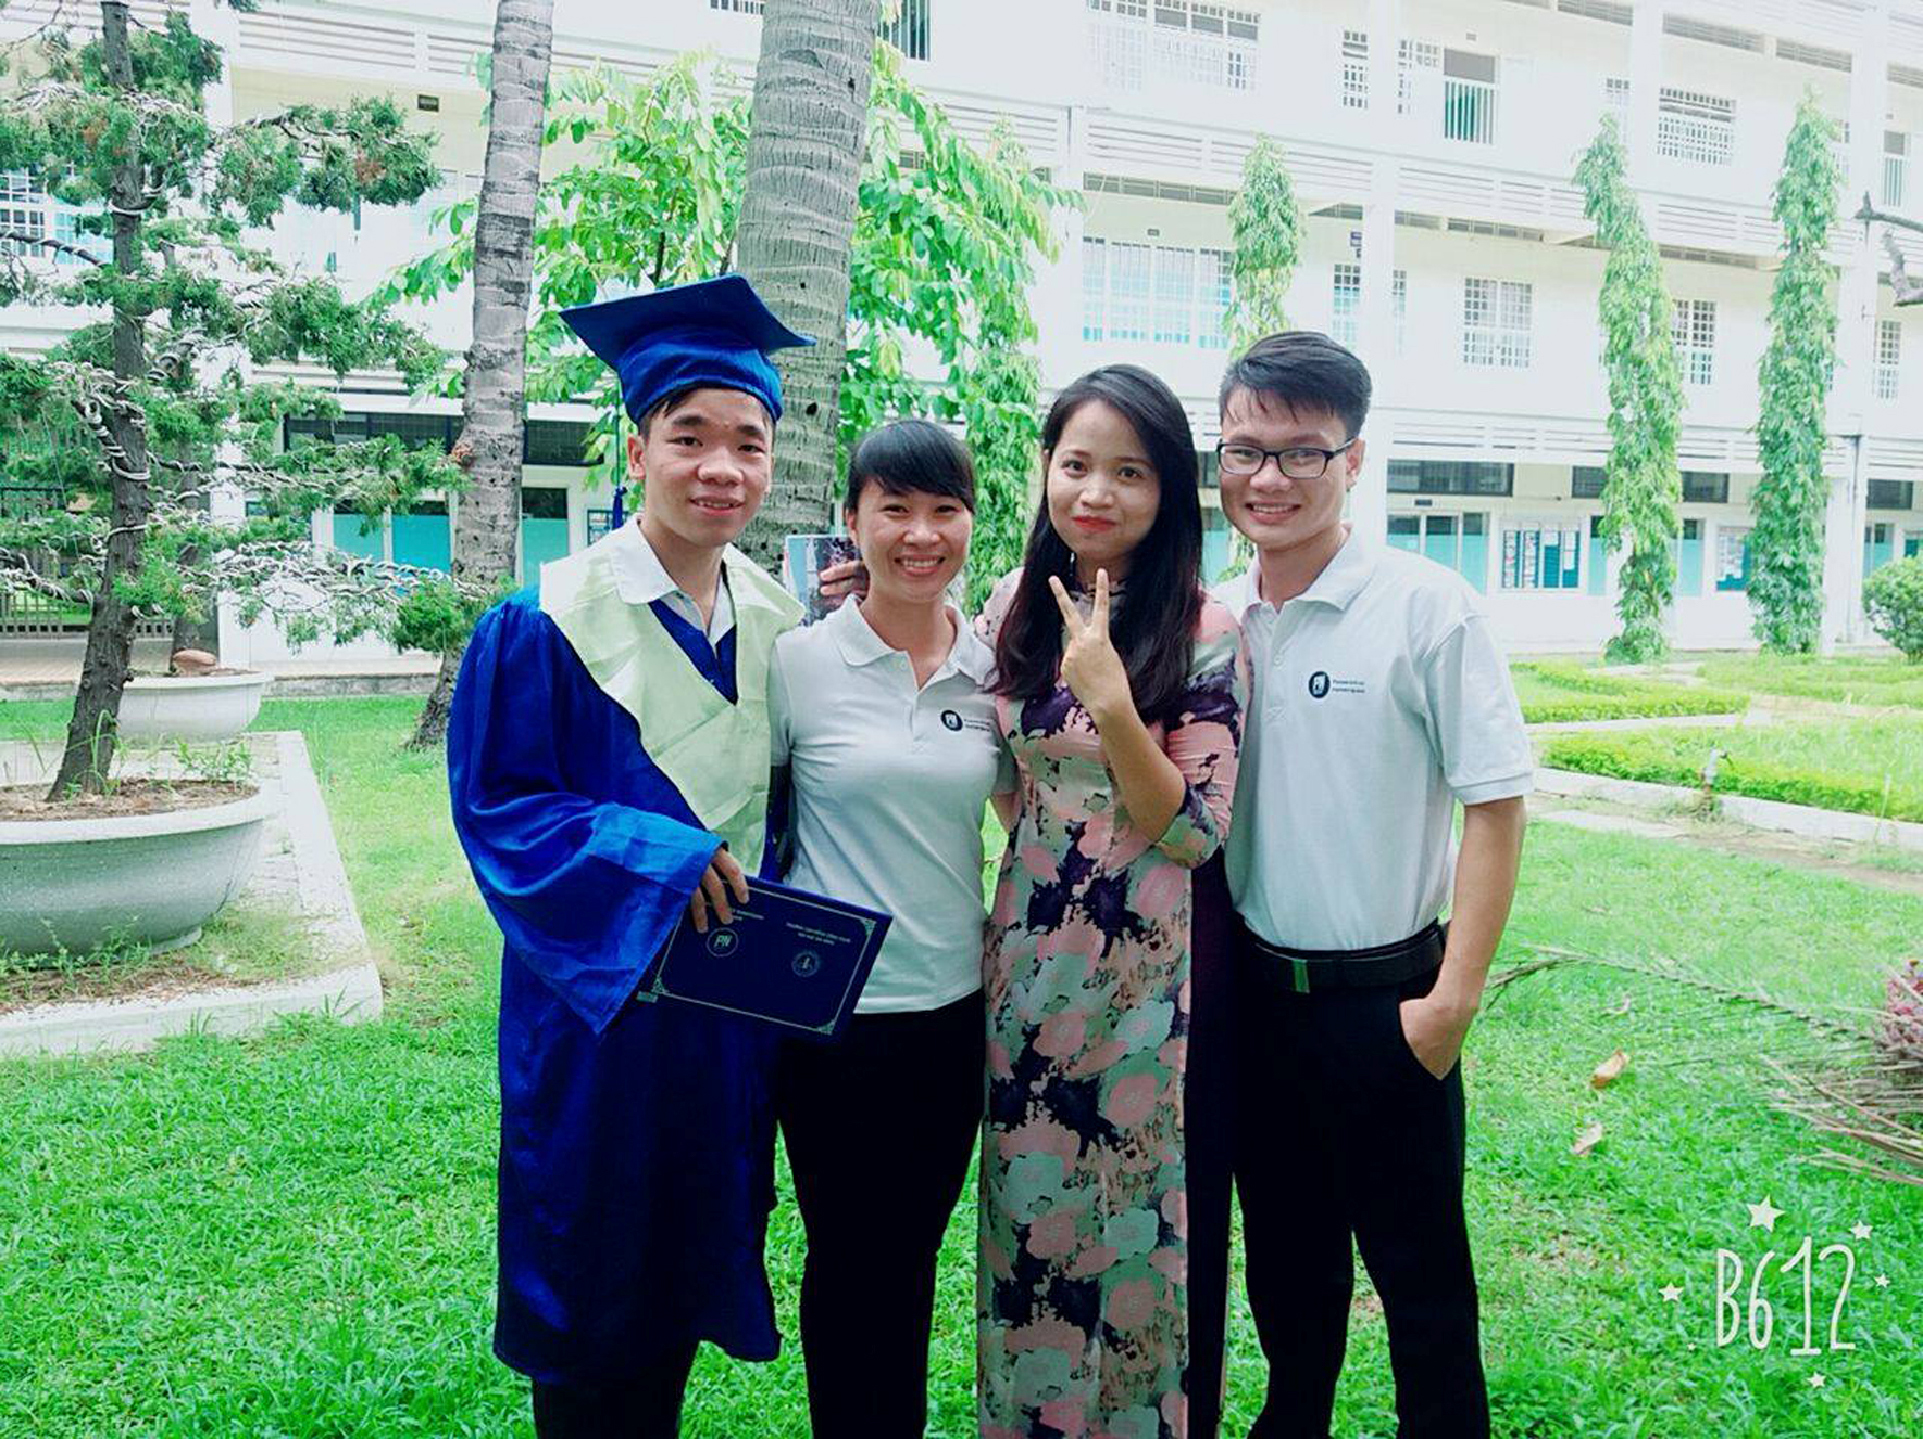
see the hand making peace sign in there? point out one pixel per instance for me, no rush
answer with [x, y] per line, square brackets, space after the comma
[1091, 668]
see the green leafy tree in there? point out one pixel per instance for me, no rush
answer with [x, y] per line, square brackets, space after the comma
[1641, 486]
[947, 236]
[1267, 226]
[161, 390]
[1786, 545]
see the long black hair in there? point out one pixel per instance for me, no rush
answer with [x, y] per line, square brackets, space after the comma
[1154, 627]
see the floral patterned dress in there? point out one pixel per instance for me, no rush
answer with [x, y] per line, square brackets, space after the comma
[1082, 1284]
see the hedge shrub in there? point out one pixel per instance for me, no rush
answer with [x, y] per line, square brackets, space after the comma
[1646, 758]
[1595, 696]
[1893, 599]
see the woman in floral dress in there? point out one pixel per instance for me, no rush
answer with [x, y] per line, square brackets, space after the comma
[1120, 691]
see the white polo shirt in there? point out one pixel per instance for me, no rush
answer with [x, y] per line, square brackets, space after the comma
[1379, 699]
[889, 786]
[640, 579]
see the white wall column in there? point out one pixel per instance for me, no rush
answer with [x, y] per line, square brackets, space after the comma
[1849, 404]
[1059, 282]
[1369, 500]
[1645, 80]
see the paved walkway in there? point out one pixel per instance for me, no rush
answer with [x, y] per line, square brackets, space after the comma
[299, 874]
[1876, 865]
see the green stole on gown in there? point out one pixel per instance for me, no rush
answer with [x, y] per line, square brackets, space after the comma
[714, 752]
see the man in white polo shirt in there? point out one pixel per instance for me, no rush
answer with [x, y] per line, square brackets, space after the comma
[1380, 702]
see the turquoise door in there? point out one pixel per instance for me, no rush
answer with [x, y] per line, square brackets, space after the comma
[544, 529]
[421, 538]
[349, 534]
[1475, 551]
[1598, 557]
[1689, 559]
[1405, 533]
[1878, 548]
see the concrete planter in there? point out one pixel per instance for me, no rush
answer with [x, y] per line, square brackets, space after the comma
[76, 884]
[161, 709]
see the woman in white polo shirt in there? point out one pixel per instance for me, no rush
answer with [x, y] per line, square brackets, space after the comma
[882, 715]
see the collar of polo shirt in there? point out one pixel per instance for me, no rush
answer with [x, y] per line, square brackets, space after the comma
[860, 645]
[1341, 580]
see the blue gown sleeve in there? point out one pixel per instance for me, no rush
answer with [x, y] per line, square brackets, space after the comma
[585, 890]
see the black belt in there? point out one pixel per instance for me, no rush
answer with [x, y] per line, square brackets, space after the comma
[1309, 971]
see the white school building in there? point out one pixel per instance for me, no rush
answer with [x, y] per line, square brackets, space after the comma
[1432, 145]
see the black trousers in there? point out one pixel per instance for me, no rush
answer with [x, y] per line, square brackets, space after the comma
[879, 1127]
[647, 1408]
[1341, 1132]
[1208, 1138]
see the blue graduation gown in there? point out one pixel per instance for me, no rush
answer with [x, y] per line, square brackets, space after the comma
[637, 1140]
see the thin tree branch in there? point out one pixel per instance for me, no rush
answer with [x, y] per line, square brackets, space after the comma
[45, 242]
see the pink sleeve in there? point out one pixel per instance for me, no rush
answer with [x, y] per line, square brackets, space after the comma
[1205, 738]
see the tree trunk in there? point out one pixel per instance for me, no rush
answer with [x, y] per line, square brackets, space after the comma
[494, 395]
[809, 125]
[120, 426]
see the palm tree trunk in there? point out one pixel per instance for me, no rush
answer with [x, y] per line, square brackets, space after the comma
[809, 126]
[494, 396]
[120, 427]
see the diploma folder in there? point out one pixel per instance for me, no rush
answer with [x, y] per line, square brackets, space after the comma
[792, 959]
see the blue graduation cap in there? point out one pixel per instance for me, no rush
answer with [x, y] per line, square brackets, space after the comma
[713, 332]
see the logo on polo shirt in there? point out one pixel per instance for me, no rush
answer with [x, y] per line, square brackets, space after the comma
[1321, 686]
[951, 720]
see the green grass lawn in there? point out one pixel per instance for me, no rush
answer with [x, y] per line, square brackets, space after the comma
[1871, 766]
[294, 1236]
[1553, 691]
[1852, 679]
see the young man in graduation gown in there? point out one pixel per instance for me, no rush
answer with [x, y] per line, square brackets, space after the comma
[608, 763]
[1380, 703]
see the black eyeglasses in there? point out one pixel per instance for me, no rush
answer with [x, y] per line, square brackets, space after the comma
[1298, 462]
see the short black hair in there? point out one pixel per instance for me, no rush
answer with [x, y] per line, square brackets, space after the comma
[675, 399]
[1304, 370]
[911, 457]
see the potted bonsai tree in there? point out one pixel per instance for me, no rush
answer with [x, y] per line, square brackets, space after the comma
[149, 423]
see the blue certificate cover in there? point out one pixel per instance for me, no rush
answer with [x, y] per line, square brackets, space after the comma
[791, 958]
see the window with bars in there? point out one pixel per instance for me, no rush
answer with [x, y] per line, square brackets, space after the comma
[1468, 97]
[1413, 58]
[1355, 70]
[908, 32]
[1165, 294]
[23, 212]
[1693, 323]
[1891, 495]
[1889, 359]
[1695, 127]
[1496, 323]
[1345, 306]
[1896, 168]
[1616, 100]
[1451, 477]
[1542, 555]
[1190, 42]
